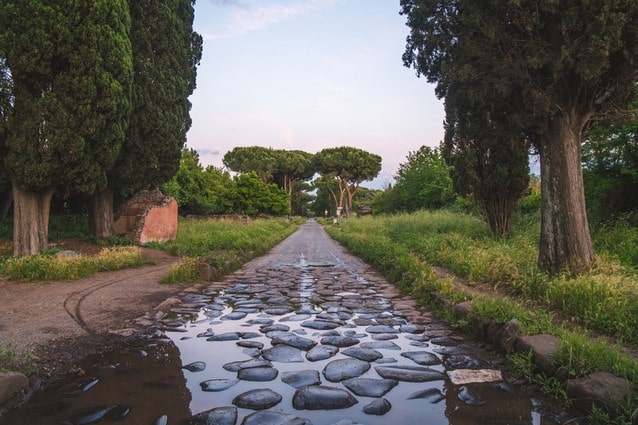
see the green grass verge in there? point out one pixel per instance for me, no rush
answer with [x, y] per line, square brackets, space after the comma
[48, 267]
[222, 245]
[405, 247]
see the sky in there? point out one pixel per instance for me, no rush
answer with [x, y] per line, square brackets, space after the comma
[309, 75]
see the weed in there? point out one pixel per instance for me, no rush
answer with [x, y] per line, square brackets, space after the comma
[18, 362]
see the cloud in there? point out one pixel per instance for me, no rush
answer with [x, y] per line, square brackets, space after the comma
[248, 19]
[212, 152]
[228, 2]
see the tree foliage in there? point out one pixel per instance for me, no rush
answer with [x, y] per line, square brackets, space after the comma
[166, 53]
[70, 69]
[610, 161]
[208, 191]
[489, 160]
[349, 167]
[551, 67]
[422, 182]
[256, 159]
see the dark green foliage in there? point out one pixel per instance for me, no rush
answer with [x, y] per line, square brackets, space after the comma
[610, 168]
[549, 67]
[349, 167]
[199, 191]
[212, 191]
[71, 69]
[423, 182]
[256, 159]
[166, 53]
[489, 159]
[255, 197]
[282, 167]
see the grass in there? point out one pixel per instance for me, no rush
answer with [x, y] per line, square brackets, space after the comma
[48, 267]
[406, 247]
[222, 245]
[11, 361]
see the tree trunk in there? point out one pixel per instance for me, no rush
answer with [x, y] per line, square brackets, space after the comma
[30, 221]
[498, 211]
[101, 224]
[565, 242]
[7, 200]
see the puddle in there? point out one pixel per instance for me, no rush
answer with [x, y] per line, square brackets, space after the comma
[253, 345]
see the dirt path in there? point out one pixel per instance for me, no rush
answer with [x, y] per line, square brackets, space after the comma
[62, 322]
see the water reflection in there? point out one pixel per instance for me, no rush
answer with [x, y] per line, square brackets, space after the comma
[317, 302]
[135, 386]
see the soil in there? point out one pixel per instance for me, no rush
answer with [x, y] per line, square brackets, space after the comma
[61, 323]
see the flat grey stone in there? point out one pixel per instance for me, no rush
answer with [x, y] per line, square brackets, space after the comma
[377, 407]
[365, 354]
[412, 329]
[226, 415]
[272, 328]
[227, 336]
[283, 354]
[294, 341]
[317, 397]
[258, 399]
[268, 417]
[423, 358]
[339, 341]
[433, 395]
[381, 345]
[214, 385]
[321, 352]
[244, 364]
[195, 366]
[301, 378]
[235, 315]
[320, 325]
[342, 369]
[384, 337]
[410, 373]
[381, 329]
[260, 374]
[368, 387]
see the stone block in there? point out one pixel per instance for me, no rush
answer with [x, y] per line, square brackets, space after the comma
[12, 384]
[462, 310]
[601, 389]
[504, 339]
[543, 347]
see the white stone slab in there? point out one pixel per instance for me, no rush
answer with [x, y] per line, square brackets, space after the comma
[470, 376]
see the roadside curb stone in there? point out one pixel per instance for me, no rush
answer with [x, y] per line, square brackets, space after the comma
[12, 384]
[601, 389]
[544, 347]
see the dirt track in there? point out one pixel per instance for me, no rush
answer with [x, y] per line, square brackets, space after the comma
[61, 322]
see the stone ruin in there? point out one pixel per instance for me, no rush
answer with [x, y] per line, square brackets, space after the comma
[150, 216]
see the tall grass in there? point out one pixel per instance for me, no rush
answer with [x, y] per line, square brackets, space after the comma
[48, 267]
[605, 300]
[222, 244]
[406, 247]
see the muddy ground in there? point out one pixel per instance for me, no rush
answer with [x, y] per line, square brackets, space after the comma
[61, 323]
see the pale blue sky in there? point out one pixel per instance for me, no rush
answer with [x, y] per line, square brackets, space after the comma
[309, 74]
